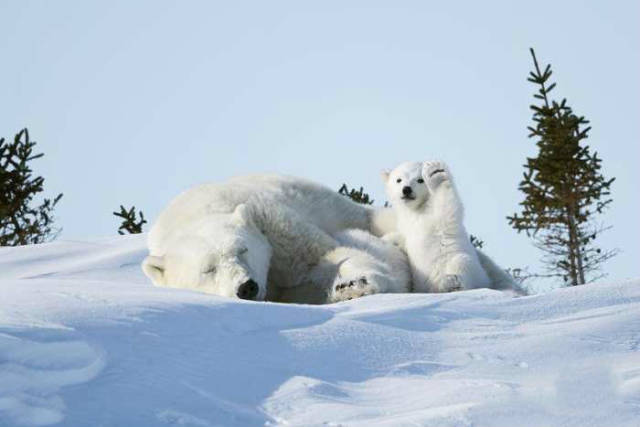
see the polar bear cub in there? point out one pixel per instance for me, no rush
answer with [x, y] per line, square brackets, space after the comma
[430, 228]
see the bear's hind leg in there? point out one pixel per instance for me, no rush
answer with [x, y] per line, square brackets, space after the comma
[463, 272]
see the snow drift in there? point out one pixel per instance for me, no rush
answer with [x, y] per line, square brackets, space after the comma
[85, 339]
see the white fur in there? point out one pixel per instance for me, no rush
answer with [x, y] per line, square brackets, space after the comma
[274, 230]
[500, 279]
[431, 230]
[386, 267]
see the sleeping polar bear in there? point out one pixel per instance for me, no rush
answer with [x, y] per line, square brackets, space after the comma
[277, 238]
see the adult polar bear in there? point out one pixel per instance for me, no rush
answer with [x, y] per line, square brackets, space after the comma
[276, 238]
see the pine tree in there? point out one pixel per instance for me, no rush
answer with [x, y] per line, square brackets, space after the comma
[564, 189]
[130, 224]
[22, 222]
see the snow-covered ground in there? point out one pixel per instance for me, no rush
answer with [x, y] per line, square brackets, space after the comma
[86, 340]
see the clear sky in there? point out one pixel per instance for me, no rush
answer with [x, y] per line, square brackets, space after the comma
[132, 102]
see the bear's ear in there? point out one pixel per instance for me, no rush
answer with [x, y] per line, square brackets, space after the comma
[242, 216]
[384, 174]
[153, 267]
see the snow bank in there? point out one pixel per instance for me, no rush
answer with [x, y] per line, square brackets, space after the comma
[86, 340]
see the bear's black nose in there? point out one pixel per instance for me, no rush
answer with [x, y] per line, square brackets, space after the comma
[406, 190]
[248, 290]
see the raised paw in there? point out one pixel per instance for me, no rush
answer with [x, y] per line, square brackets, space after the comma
[435, 173]
[349, 289]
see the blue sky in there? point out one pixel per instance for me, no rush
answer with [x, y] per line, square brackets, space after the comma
[133, 102]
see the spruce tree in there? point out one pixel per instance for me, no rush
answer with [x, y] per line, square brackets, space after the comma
[477, 242]
[130, 222]
[22, 221]
[358, 196]
[564, 189]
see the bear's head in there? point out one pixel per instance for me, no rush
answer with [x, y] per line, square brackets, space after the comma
[405, 186]
[224, 254]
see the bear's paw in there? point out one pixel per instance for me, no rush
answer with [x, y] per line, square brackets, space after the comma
[346, 289]
[435, 173]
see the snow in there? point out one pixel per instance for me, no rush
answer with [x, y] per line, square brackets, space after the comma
[85, 339]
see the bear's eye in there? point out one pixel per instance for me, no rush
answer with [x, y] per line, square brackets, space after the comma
[421, 181]
[210, 270]
[399, 180]
[243, 251]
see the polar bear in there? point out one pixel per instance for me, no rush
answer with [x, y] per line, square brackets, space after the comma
[389, 266]
[271, 237]
[430, 228]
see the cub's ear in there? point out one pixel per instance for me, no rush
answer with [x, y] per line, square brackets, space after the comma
[384, 174]
[242, 215]
[153, 267]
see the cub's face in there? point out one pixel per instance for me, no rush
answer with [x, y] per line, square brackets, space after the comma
[226, 255]
[405, 186]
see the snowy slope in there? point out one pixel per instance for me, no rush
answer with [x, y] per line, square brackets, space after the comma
[85, 340]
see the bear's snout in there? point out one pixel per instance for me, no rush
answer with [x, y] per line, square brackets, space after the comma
[406, 190]
[248, 290]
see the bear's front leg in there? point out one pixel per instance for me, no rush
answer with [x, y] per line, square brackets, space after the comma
[445, 203]
[350, 273]
[435, 174]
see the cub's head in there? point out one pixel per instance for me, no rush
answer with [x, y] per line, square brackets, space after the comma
[405, 186]
[225, 254]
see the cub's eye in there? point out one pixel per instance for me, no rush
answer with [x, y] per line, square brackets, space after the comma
[421, 181]
[243, 251]
[398, 180]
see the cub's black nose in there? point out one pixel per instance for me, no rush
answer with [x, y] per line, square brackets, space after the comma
[248, 290]
[406, 190]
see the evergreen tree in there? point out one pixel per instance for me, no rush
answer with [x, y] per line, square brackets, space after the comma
[564, 189]
[21, 221]
[130, 224]
[358, 196]
[476, 241]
